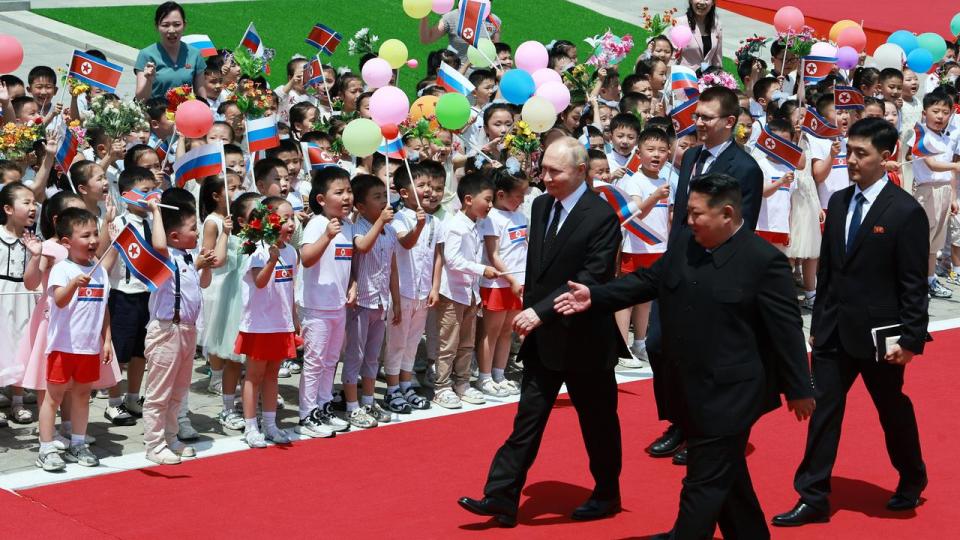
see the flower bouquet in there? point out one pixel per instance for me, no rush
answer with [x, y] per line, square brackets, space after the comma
[17, 140]
[75, 86]
[252, 100]
[263, 228]
[750, 48]
[176, 96]
[608, 49]
[79, 132]
[251, 66]
[658, 24]
[580, 79]
[420, 130]
[721, 78]
[362, 42]
[799, 43]
[116, 118]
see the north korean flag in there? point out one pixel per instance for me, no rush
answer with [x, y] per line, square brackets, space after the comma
[342, 252]
[818, 126]
[682, 116]
[313, 72]
[633, 164]
[517, 234]
[324, 38]
[142, 260]
[283, 273]
[314, 158]
[472, 15]
[847, 97]
[95, 72]
[817, 68]
[139, 198]
[779, 149]
[91, 293]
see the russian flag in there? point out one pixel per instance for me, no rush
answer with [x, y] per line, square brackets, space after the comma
[142, 260]
[633, 164]
[924, 146]
[452, 80]
[818, 126]
[162, 146]
[313, 72]
[847, 97]
[682, 117]
[203, 161]
[202, 42]
[262, 134]
[779, 149]
[139, 198]
[683, 78]
[67, 151]
[324, 38]
[817, 68]
[472, 15]
[314, 158]
[251, 40]
[95, 72]
[393, 148]
[627, 212]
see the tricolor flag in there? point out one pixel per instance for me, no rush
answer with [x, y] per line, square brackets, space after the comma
[633, 164]
[92, 292]
[393, 148]
[473, 13]
[324, 38]
[162, 147]
[818, 126]
[262, 134]
[139, 198]
[779, 149]
[817, 68]
[342, 252]
[202, 42]
[315, 158]
[683, 78]
[518, 234]
[313, 72]
[847, 97]
[95, 72]
[452, 80]
[923, 144]
[682, 117]
[203, 161]
[585, 139]
[67, 151]
[283, 273]
[142, 260]
[628, 213]
[251, 40]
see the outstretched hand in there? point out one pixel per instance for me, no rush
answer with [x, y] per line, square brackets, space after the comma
[577, 300]
[802, 408]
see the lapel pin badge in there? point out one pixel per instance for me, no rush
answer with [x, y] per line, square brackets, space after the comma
[878, 229]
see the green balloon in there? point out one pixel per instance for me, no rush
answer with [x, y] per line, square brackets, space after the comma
[933, 43]
[955, 25]
[483, 55]
[453, 110]
[362, 137]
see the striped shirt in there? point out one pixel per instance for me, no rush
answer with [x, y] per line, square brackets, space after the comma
[372, 268]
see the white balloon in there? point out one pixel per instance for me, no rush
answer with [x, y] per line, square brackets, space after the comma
[822, 48]
[889, 55]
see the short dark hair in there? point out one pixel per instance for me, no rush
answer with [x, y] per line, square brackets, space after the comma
[133, 154]
[71, 218]
[11, 80]
[890, 73]
[433, 169]
[265, 166]
[653, 134]
[131, 175]
[473, 184]
[778, 124]
[937, 97]
[763, 85]
[403, 180]
[502, 47]
[725, 96]
[480, 75]
[184, 201]
[320, 182]
[625, 120]
[156, 107]
[594, 153]
[882, 134]
[823, 103]
[362, 185]
[42, 72]
[720, 189]
[165, 9]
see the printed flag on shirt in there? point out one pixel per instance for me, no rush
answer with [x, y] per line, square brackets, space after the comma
[923, 143]
[142, 260]
[139, 198]
[324, 38]
[91, 293]
[201, 42]
[342, 252]
[67, 151]
[262, 134]
[818, 126]
[313, 72]
[633, 163]
[847, 97]
[203, 161]
[452, 80]
[517, 234]
[817, 68]
[283, 273]
[393, 148]
[780, 149]
[95, 72]
[627, 212]
[473, 13]
[682, 117]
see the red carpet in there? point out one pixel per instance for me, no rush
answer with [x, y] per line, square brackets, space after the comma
[880, 17]
[405, 480]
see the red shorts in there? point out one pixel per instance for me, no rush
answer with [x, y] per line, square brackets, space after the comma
[266, 347]
[500, 299]
[779, 238]
[630, 262]
[63, 366]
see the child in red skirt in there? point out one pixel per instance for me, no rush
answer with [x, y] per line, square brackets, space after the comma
[269, 324]
[505, 248]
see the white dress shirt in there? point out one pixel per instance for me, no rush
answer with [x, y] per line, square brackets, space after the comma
[462, 249]
[870, 194]
[567, 203]
[715, 152]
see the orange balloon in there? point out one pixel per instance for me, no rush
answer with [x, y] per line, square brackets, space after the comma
[425, 107]
[840, 26]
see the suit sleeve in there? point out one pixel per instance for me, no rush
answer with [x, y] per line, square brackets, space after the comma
[911, 261]
[642, 285]
[780, 314]
[824, 268]
[751, 185]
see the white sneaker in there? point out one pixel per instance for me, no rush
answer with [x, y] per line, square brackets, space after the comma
[277, 435]
[254, 439]
[164, 457]
[60, 442]
[511, 387]
[182, 450]
[284, 371]
[215, 388]
[186, 433]
[472, 396]
[359, 418]
[640, 354]
[50, 462]
[631, 363]
[490, 388]
[447, 399]
[331, 421]
[310, 427]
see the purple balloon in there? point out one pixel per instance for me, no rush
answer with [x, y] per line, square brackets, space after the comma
[847, 57]
[389, 105]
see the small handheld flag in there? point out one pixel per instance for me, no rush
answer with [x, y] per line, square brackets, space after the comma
[818, 126]
[847, 97]
[923, 144]
[313, 72]
[95, 72]
[682, 117]
[251, 41]
[633, 164]
[315, 158]
[473, 13]
[143, 261]
[67, 151]
[393, 148]
[780, 149]
[201, 42]
[817, 68]
[203, 161]
[683, 78]
[139, 198]
[452, 80]
[262, 134]
[162, 148]
[628, 213]
[324, 38]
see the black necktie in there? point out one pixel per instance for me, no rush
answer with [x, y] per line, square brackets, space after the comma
[552, 229]
[188, 258]
[701, 161]
[856, 219]
[147, 233]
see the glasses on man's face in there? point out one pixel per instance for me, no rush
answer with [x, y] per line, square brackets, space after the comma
[706, 119]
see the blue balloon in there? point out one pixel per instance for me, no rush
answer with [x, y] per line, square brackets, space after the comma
[920, 60]
[517, 86]
[904, 39]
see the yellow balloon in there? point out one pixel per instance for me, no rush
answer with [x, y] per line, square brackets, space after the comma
[417, 9]
[539, 114]
[394, 52]
[482, 56]
[840, 26]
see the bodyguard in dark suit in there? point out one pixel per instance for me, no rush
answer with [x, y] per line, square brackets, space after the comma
[733, 334]
[873, 267]
[574, 235]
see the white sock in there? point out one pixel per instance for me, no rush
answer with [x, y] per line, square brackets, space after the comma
[269, 420]
[115, 401]
[392, 389]
[956, 269]
[352, 406]
[251, 425]
[404, 385]
[497, 374]
[216, 375]
[366, 400]
[483, 376]
[640, 344]
[228, 402]
[17, 401]
[47, 447]
[77, 440]
[132, 398]
[809, 294]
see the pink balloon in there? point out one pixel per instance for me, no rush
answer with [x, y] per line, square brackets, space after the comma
[822, 48]
[442, 6]
[412, 63]
[545, 75]
[853, 37]
[376, 72]
[194, 119]
[389, 105]
[847, 58]
[680, 36]
[789, 20]
[556, 93]
[11, 54]
[531, 56]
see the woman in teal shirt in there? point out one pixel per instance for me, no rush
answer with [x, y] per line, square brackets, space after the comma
[169, 63]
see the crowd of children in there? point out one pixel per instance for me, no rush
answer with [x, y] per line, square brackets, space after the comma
[372, 254]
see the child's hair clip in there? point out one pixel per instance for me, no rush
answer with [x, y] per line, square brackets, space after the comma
[298, 56]
[551, 45]
[478, 161]
[343, 70]
[512, 165]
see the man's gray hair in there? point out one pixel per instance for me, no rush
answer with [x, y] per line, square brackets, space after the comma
[572, 148]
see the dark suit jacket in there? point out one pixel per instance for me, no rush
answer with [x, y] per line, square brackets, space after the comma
[731, 328]
[584, 251]
[733, 161]
[881, 281]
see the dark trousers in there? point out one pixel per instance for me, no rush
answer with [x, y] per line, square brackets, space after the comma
[717, 491]
[594, 396]
[834, 372]
[664, 374]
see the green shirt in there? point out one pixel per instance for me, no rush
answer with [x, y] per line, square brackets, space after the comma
[170, 74]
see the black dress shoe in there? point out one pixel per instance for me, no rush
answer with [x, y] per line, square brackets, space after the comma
[596, 509]
[901, 502]
[680, 458]
[668, 443]
[801, 514]
[506, 517]
[663, 536]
